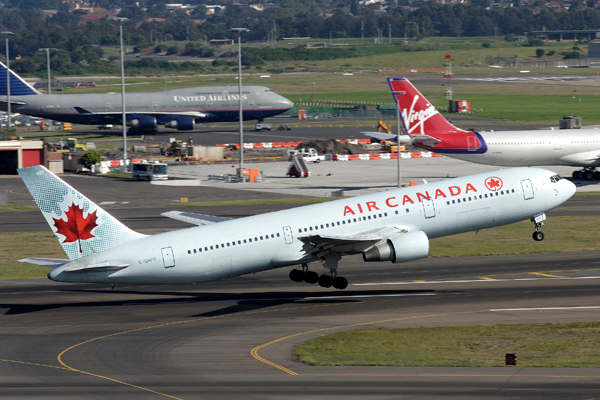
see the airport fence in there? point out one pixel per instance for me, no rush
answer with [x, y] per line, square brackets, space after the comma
[336, 112]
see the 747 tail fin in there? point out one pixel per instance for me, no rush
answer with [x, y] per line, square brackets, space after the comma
[81, 226]
[18, 87]
[418, 115]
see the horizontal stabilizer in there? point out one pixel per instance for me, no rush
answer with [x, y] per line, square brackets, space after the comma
[196, 219]
[100, 266]
[46, 262]
[404, 139]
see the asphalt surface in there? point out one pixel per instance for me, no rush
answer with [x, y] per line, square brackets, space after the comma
[233, 339]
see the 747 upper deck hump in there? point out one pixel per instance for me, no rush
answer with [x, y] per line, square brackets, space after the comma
[178, 109]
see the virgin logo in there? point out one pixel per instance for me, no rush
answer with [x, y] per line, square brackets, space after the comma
[416, 118]
[493, 183]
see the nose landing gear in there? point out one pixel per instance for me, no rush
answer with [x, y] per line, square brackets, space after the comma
[538, 235]
[325, 280]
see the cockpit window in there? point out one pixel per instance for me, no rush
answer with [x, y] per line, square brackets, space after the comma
[555, 178]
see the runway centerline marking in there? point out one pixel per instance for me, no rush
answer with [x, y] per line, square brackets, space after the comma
[482, 279]
[545, 308]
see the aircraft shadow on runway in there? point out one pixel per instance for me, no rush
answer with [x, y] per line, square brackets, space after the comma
[243, 303]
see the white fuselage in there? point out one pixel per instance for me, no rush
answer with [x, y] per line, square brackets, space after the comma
[571, 147]
[272, 240]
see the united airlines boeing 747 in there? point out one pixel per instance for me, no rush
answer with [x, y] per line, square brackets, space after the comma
[178, 109]
[394, 226]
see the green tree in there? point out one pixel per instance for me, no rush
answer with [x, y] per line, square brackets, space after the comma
[539, 53]
[90, 158]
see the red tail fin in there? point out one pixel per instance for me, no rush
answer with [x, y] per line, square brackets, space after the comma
[418, 115]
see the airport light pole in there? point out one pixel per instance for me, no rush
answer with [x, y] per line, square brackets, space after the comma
[47, 50]
[7, 33]
[398, 122]
[123, 112]
[239, 32]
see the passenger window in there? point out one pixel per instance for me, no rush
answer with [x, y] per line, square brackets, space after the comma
[211, 247]
[200, 250]
[278, 235]
[189, 252]
[216, 246]
[250, 240]
[244, 240]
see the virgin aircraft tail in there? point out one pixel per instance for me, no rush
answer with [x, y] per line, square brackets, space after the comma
[418, 115]
[81, 227]
[18, 87]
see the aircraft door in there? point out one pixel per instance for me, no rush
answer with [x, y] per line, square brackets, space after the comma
[527, 189]
[168, 257]
[556, 144]
[472, 143]
[428, 208]
[287, 234]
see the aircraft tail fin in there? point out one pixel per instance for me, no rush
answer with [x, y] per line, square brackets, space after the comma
[18, 87]
[418, 115]
[81, 226]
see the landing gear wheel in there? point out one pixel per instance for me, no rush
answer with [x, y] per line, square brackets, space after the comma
[325, 281]
[538, 236]
[311, 277]
[588, 175]
[577, 175]
[340, 283]
[297, 275]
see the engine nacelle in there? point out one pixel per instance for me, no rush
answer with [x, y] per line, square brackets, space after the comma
[142, 122]
[400, 248]
[178, 122]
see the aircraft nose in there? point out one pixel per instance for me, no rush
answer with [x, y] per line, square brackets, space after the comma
[570, 188]
[285, 103]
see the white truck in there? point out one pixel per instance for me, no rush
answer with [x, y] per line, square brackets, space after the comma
[309, 155]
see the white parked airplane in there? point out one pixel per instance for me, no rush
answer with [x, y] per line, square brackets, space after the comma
[428, 129]
[394, 225]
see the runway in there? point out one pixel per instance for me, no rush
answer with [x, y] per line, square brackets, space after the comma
[233, 339]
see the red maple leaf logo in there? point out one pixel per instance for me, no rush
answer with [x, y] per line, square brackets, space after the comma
[76, 227]
[493, 183]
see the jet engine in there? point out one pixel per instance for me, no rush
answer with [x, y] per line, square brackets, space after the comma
[142, 122]
[400, 248]
[178, 122]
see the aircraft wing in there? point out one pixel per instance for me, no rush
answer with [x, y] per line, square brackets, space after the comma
[157, 114]
[196, 219]
[350, 243]
[46, 262]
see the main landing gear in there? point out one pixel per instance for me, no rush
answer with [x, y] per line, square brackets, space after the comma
[538, 235]
[325, 280]
[588, 174]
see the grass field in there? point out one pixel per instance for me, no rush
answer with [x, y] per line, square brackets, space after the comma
[562, 234]
[538, 345]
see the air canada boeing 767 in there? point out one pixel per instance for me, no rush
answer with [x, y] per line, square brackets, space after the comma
[178, 109]
[428, 129]
[393, 225]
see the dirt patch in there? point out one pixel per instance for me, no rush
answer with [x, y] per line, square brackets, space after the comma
[331, 146]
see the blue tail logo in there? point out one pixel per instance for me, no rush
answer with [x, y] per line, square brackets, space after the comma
[18, 87]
